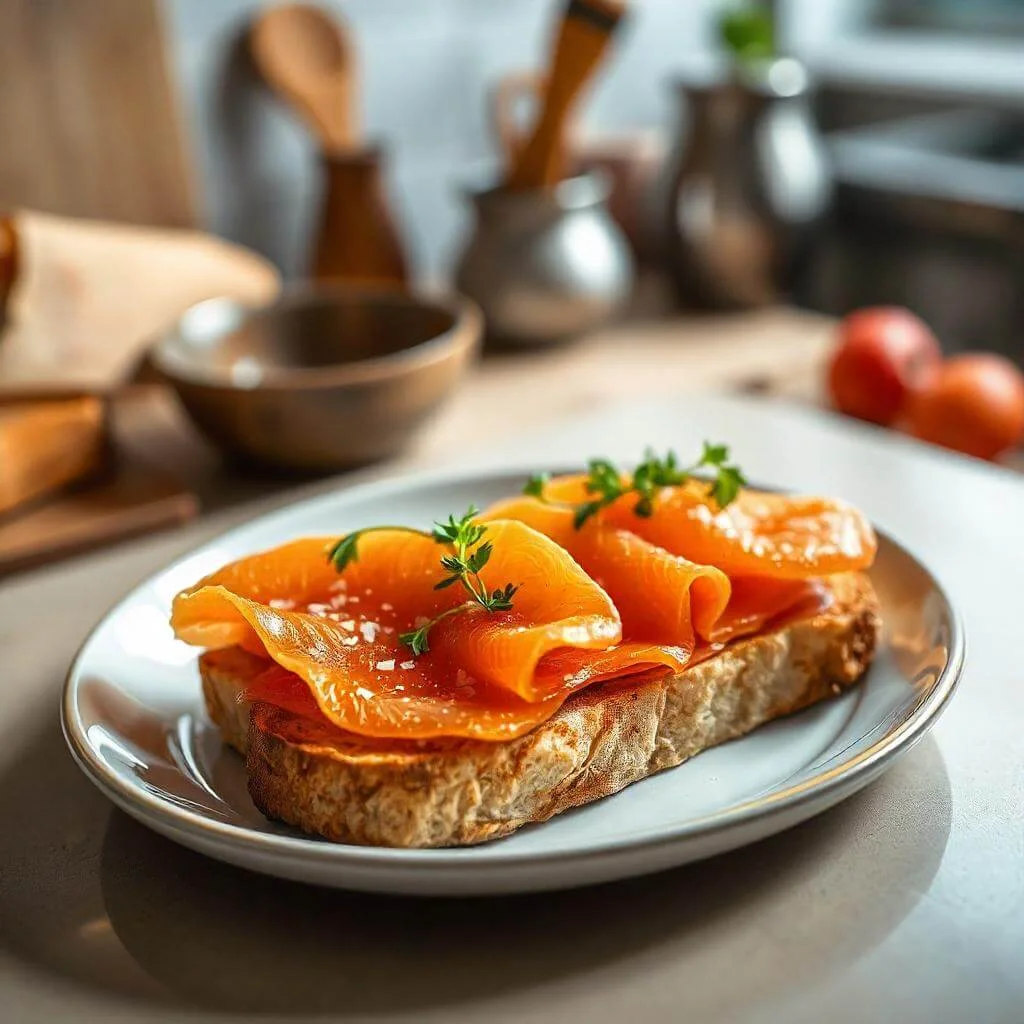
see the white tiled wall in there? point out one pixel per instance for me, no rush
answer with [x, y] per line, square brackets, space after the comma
[427, 66]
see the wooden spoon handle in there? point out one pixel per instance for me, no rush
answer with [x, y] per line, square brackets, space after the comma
[8, 262]
[333, 120]
[510, 93]
[584, 33]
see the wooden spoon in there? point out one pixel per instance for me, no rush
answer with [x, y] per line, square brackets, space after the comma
[306, 56]
[583, 36]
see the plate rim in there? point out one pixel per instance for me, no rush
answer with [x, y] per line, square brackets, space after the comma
[826, 787]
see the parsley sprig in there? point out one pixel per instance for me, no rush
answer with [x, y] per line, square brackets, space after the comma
[607, 483]
[469, 554]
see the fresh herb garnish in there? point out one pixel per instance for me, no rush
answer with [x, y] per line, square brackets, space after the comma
[607, 483]
[346, 551]
[536, 484]
[470, 553]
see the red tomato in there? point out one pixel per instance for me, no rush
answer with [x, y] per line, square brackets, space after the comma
[884, 354]
[974, 404]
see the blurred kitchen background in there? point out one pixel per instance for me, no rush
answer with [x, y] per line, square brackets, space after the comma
[921, 101]
[772, 167]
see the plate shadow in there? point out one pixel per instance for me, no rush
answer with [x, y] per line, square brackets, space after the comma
[89, 895]
[343, 952]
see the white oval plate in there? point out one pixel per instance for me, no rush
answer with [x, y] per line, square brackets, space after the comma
[134, 719]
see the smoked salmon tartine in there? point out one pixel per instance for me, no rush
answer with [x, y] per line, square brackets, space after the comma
[426, 687]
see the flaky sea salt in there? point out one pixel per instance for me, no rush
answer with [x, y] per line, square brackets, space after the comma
[465, 684]
[282, 604]
[386, 666]
[369, 631]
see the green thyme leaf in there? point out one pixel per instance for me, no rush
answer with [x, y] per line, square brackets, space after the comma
[727, 485]
[480, 557]
[535, 485]
[606, 483]
[345, 552]
[417, 640]
[714, 454]
[584, 512]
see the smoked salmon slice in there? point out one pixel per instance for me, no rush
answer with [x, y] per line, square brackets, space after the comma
[758, 534]
[486, 675]
[691, 570]
[618, 595]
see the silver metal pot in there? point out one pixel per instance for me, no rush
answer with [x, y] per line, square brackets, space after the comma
[545, 265]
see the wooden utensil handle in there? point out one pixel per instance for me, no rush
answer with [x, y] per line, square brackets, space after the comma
[8, 262]
[333, 120]
[583, 36]
[512, 90]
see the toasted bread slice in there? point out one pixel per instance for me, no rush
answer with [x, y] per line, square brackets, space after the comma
[458, 792]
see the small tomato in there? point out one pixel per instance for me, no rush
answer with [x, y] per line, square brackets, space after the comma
[974, 404]
[883, 355]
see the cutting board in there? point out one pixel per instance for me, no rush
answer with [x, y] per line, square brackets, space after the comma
[132, 495]
[46, 445]
[135, 498]
[88, 113]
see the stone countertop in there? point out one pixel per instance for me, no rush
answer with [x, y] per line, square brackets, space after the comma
[903, 903]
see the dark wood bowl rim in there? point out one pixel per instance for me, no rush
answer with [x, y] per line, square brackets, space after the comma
[463, 336]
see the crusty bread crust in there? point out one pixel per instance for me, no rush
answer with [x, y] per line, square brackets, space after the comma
[458, 792]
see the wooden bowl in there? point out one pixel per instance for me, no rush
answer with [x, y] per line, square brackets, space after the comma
[324, 378]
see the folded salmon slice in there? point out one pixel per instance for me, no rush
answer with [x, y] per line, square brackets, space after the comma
[622, 595]
[691, 572]
[486, 676]
[758, 534]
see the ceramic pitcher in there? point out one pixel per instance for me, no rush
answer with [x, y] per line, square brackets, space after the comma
[749, 187]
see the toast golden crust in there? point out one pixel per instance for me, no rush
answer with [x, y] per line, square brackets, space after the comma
[459, 792]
